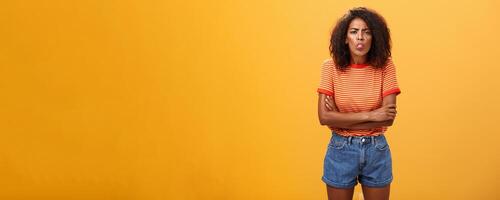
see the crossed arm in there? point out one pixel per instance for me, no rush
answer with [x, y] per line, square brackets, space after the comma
[383, 116]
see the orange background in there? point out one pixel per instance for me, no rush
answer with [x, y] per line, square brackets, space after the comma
[217, 99]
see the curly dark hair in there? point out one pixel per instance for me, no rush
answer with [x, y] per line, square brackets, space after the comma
[380, 49]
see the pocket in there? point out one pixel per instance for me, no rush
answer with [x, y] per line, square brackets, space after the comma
[338, 143]
[381, 143]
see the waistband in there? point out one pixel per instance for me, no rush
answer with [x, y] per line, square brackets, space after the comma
[359, 139]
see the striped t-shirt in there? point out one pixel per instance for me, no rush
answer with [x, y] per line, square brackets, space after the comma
[360, 88]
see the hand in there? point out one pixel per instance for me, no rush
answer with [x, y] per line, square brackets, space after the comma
[329, 103]
[384, 113]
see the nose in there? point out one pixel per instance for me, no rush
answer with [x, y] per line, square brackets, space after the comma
[360, 36]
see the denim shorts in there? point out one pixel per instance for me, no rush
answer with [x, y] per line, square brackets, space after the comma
[366, 159]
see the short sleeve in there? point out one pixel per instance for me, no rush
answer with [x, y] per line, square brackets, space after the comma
[326, 78]
[389, 81]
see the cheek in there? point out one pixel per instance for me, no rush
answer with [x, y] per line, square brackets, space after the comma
[351, 40]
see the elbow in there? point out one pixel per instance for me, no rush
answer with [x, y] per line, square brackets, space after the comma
[390, 122]
[323, 120]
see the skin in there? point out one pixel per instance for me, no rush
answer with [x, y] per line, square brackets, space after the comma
[357, 33]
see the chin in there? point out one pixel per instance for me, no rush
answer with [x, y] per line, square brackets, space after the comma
[360, 54]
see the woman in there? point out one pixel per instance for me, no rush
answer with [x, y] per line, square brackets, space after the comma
[357, 101]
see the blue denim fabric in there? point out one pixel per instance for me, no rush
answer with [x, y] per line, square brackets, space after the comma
[366, 159]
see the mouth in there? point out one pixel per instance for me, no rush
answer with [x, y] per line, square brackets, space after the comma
[360, 46]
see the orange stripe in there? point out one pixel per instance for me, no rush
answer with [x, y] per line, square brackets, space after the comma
[395, 90]
[325, 91]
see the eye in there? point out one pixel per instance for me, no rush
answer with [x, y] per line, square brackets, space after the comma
[353, 32]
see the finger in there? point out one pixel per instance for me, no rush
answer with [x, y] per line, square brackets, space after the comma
[328, 107]
[391, 111]
[328, 101]
[390, 105]
[330, 104]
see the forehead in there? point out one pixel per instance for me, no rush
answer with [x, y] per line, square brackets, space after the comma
[358, 23]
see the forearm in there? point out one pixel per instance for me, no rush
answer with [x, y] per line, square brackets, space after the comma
[369, 125]
[344, 120]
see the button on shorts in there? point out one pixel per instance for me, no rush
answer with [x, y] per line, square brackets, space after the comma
[366, 159]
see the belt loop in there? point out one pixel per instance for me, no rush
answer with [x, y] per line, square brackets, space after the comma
[349, 139]
[373, 140]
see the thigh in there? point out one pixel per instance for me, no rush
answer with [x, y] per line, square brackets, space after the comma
[341, 164]
[339, 193]
[376, 193]
[377, 170]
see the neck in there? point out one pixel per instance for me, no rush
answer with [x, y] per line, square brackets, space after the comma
[358, 59]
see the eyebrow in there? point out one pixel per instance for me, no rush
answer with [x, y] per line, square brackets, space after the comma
[361, 29]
